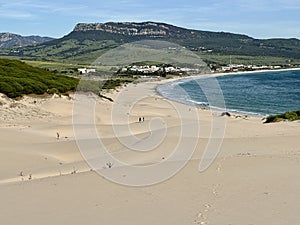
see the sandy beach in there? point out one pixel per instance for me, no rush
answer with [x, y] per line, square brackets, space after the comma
[45, 180]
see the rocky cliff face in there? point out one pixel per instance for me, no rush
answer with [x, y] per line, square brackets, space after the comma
[151, 29]
[9, 40]
[132, 29]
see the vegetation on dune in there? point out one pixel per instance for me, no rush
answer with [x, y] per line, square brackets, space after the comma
[18, 78]
[288, 116]
[114, 83]
[97, 87]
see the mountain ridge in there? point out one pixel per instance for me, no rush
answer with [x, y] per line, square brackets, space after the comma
[88, 41]
[162, 29]
[8, 39]
[149, 28]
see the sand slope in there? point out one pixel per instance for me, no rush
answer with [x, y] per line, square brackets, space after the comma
[254, 180]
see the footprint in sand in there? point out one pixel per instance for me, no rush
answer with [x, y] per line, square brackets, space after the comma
[201, 218]
[215, 190]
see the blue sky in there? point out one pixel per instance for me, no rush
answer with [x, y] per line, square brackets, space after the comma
[257, 18]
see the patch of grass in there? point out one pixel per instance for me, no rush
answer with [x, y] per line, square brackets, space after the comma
[67, 51]
[98, 86]
[288, 116]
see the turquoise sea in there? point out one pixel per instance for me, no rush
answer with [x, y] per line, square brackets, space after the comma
[262, 93]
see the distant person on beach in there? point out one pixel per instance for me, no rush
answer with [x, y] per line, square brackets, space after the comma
[57, 135]
[143, 119]
[140, 119]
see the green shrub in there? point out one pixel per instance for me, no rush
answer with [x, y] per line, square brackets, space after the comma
[7, 89]
[289, 116]
[52, 91]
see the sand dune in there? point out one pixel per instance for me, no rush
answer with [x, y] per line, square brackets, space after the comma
[254, 179]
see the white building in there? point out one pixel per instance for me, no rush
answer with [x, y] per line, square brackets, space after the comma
[85, 70]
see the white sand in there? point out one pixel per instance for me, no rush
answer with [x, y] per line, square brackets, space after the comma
[254, 180]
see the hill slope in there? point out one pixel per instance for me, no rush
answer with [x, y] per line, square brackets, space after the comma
[18, 78]
[9, 40]
[88, 41]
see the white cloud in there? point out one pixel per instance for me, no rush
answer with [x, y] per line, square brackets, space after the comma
[36, 6]
[15, 14]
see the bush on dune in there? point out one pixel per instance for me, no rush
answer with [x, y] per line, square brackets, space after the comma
[288, 116]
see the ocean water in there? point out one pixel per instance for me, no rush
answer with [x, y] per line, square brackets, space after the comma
[262, 93]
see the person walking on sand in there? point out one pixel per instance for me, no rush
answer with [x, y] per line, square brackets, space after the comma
[140, 119]
[57, 135]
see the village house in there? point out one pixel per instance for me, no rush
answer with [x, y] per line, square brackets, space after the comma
[86, 70]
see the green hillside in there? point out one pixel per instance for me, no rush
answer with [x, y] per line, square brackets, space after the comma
[18, 78]
[86, 43]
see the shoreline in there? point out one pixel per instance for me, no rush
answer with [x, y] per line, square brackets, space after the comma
[214, 75]
[255, 71]
[226, 74]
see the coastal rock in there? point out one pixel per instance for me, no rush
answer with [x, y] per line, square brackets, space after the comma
[226, 114]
